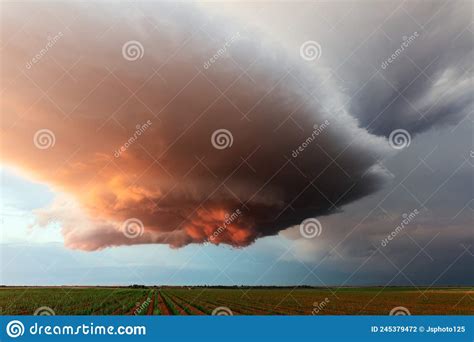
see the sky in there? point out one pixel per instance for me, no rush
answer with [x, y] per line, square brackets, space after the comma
[237, 143]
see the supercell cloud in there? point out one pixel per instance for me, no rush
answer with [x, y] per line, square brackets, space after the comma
[176, 119]
[415, 71]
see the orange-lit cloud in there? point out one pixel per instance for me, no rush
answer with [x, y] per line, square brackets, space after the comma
[133, 138]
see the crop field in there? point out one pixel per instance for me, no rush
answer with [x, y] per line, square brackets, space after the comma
[235, 301]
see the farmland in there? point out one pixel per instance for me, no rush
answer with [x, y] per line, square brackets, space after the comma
[236, 301]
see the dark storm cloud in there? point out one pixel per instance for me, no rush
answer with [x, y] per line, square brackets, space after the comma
[434, 247]
[424, 55]
[185, 77]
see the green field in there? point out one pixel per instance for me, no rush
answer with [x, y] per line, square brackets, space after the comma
[236, 301]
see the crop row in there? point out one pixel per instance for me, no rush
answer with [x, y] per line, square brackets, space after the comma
[203, 301]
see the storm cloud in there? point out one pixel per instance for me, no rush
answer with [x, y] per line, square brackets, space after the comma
[163, 116]
[412, 67]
